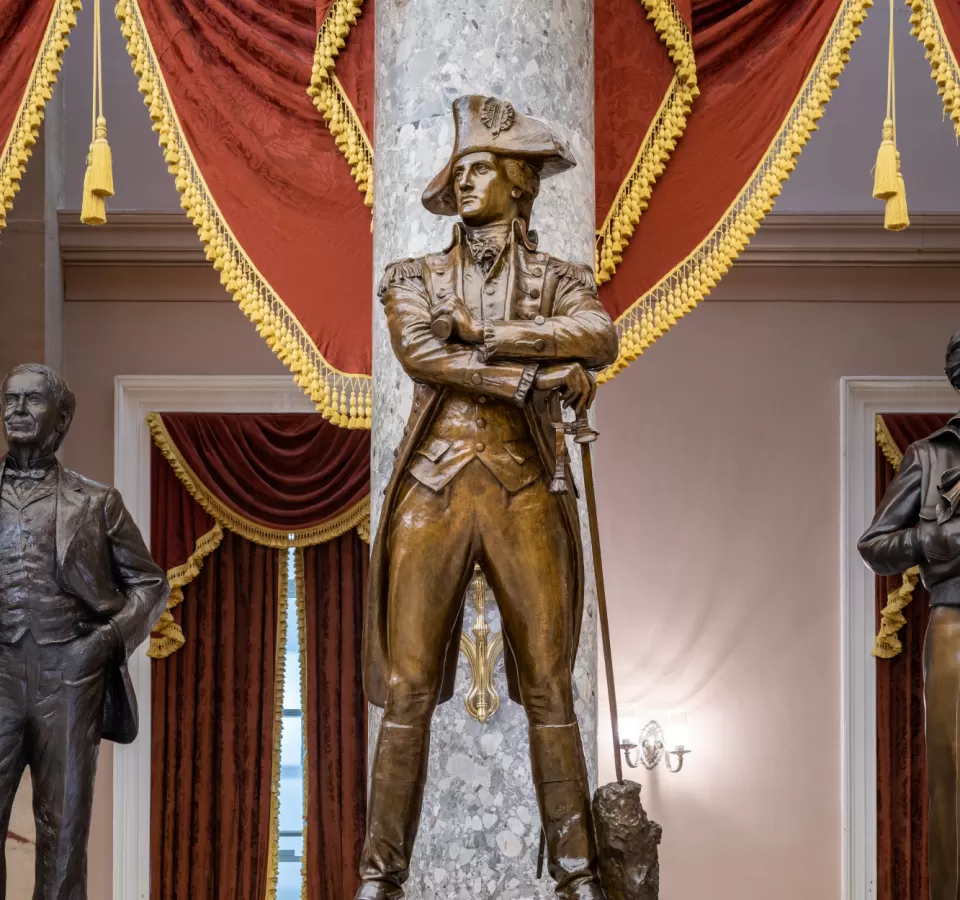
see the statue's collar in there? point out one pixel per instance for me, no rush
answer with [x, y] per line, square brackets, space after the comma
[44, 463]
[519, 233]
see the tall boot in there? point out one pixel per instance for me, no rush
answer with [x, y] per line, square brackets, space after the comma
[393, 813]
[563, 795]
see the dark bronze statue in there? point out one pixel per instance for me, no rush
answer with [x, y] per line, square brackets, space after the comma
[495, 334]
[917, 524]
[78, 593]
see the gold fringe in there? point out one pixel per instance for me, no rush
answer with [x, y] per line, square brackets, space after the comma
[26, 126]
[887, 444]
[330, 98]
[171, 634]
[229, 518]
[302, 636]
[658, 144]
[887, 645]
[925, 24]
[363, 529]
[273, 857]
[681, 290]
[341, 397]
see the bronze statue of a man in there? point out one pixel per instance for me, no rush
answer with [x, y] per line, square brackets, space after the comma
[917, 523]
[78, 593]
[494, 333]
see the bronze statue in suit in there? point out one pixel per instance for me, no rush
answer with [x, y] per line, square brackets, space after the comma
[78, 593]
[494, 333]
[917, 524]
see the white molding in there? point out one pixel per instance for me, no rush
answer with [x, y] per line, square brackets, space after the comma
[134, 398]
[860, 401]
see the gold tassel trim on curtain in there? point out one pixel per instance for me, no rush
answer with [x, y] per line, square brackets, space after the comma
[658, 144]
[302, 639]
[26, 126]
[330, 98]
[680, 291]
[273, 858]
[343, 398]
[232, 520]
[170, 634]
[887, 645]
[925, 24]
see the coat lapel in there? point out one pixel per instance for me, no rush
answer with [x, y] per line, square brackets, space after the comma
[71, 509]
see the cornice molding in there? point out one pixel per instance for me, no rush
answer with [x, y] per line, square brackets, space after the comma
[784, 239]
[156, 256]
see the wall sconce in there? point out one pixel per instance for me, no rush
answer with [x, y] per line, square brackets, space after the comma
[651, 747]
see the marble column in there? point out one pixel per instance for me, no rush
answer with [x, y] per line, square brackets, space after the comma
[479, 830]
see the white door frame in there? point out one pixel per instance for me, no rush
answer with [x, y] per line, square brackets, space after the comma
[134, 397]
[860, 401]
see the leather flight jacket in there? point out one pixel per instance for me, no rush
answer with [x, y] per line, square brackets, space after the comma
[917, 521]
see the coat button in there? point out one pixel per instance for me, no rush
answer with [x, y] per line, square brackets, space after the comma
[476, 378]
[535, 293]
[481, 448]
[491, 290]
[539, 320]
[537, 272]
[539, 344]
[481, 423]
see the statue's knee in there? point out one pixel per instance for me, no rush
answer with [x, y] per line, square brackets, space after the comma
[549, 700]
[411, 701]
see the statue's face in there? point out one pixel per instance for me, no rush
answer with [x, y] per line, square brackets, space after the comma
[483, 190]
[30, 413]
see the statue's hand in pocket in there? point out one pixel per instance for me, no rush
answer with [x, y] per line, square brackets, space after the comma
[88, 655]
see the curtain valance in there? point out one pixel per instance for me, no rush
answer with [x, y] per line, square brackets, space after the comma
[33, 35]
[276, 479]
[936, 23]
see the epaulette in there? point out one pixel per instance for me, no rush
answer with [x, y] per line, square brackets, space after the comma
[399, 270]
[578, 272]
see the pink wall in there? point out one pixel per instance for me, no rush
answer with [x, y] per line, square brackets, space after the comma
[719, 498]
[101, 341]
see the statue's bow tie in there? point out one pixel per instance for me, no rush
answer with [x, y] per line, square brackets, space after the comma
[32, 474]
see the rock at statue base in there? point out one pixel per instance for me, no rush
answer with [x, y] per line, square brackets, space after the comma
[627, 841]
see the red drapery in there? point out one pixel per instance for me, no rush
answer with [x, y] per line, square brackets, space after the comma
[936, 23]
[230, 494]
[244, 137]
[901, 769]
[335, 715]
[33, 35]
[214, 710]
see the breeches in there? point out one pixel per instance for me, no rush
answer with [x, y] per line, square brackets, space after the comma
[54, 727]
[522, 543]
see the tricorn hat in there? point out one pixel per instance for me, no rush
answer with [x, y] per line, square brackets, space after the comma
[486, 124]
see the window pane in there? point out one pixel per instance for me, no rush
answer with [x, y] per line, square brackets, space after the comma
[290, 878]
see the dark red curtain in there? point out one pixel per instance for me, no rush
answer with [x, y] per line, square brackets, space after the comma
[335, 578]
[901, 769]
[213, 717]
[289, 472]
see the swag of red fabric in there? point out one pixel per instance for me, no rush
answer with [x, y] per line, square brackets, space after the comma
[215, 700]
[23, 27]
[237, 72]
[902, 825]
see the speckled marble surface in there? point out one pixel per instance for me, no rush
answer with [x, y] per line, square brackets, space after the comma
[479, 830]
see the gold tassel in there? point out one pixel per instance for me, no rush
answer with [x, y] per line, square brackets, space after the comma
[94, 209]
[897, 216]
[101, 162]
[98, 179]
[885, 174]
